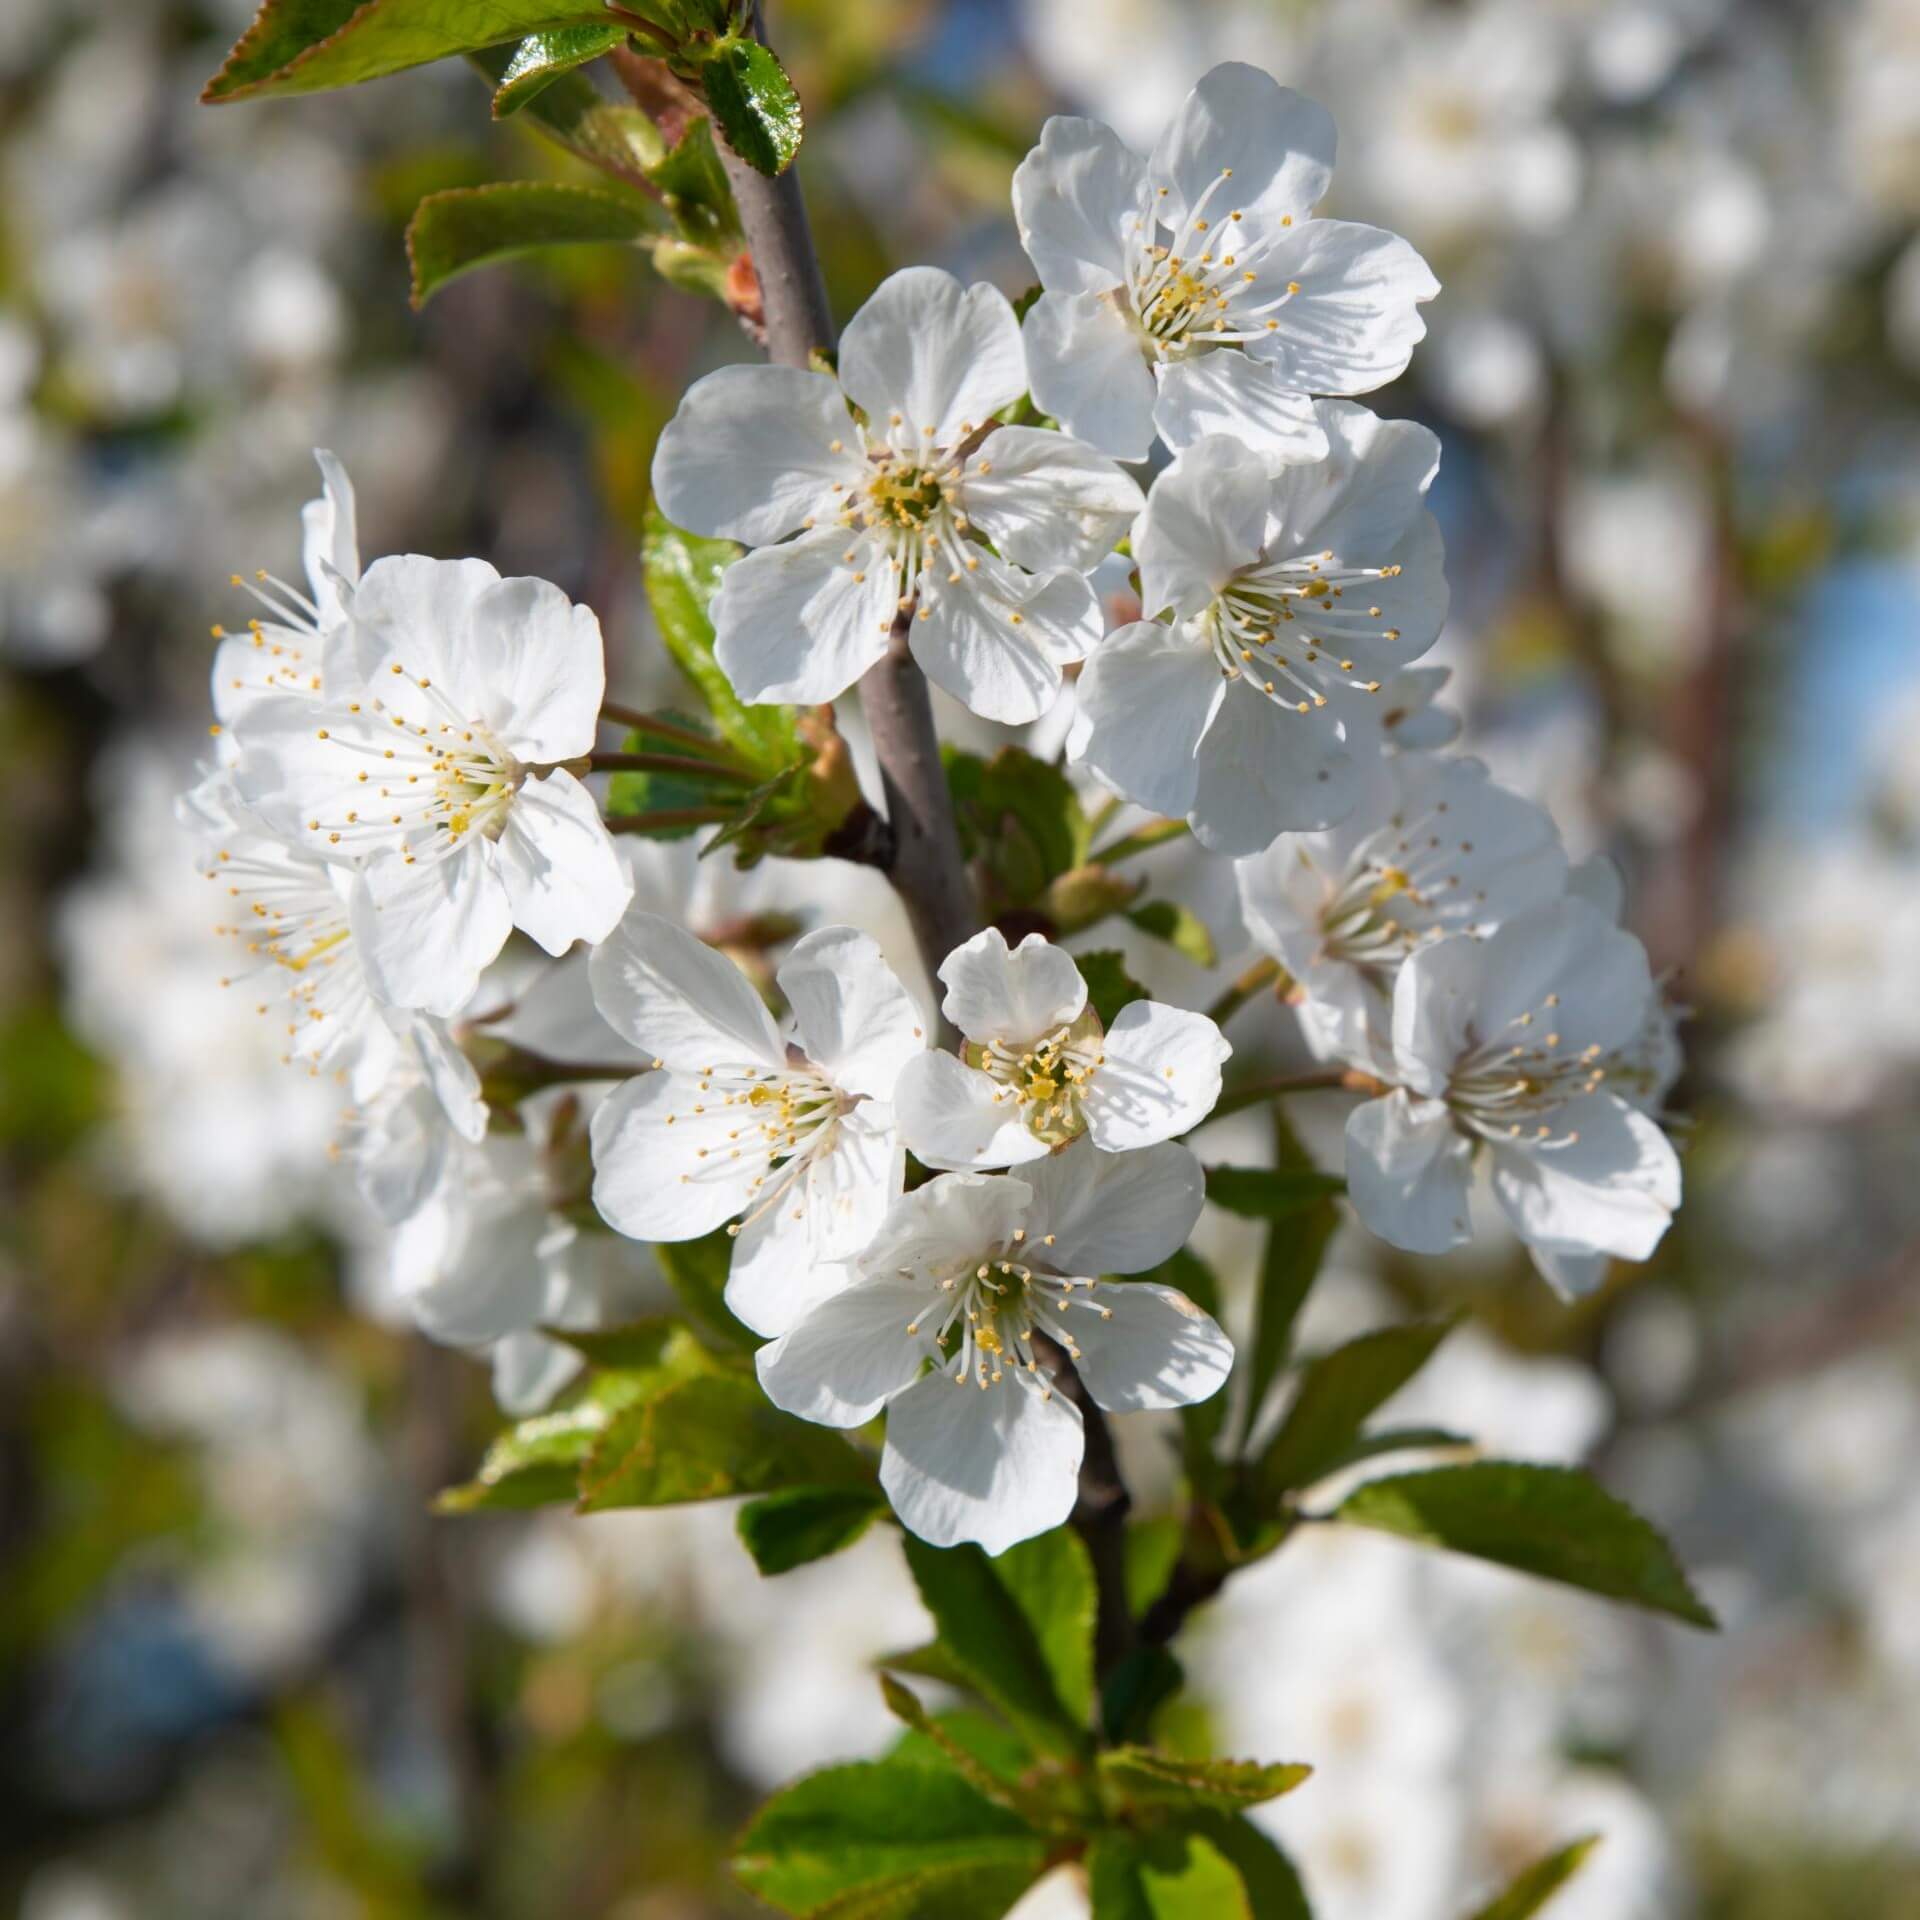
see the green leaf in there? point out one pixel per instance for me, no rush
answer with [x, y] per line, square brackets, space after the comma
[1109, 985]
[1180, 927]
[1024, 1641]
[640, 1346]
[571, 113]
[451, 233]
[875, 1831]
[306, 46]
[1167, 1875]
[697, 1271]
[753, 102]
[1370, 1446]
[786, 1530]
[537, 1462]
[1555, 1522]
[1273, 1887]
[695, 184]
[1162, 1780]
[683, 575]
[1270, 1193]
[1339, 1393]
[707, 1436]
[541, 58]
[1021, 818]
[1539, 1883]
[632, 793]
[1153, 1546]
[1137, 1688]
[905, 1706]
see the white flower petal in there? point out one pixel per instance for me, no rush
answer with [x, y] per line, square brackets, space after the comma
[419, 615]
[1114, 1212]
[452, 1077]
[1089, 372]
[1607, 1181]
[1158, 1076]
[1076, 197]
[1204, 520]
[993, 1466]
[1227, 392]
[776, 1275]
[1356, 320]
[856, 1022]
[951, 1218]
[330, 545]
[801, 622]
[949, 1117]
[1265, 770]
[663, 1165]
[425, 931]
[754, 450]
[1572, 950]
[1155, 1349]
[1047, 501]
[944, 357]
[1146, 698]
[529, 1369]
[564, 880]
[1408, 1169]
[1278, 144]
[539, 667]
[683, 1003]
[851, 1352]
[1017, 994]
[1573, 1276]
[997, 639]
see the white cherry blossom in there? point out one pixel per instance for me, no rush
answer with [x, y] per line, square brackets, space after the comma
[1434, 847]
[968, 1273]
[434, 764]
[792, 1131]
[1285, 587]
[1507, 1047]
[1194, 292]
[888, 512]
[1036, 1069]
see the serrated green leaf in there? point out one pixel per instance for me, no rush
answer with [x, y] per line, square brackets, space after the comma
[1270, 1193]
[1109, 985]
[873, 1830]
[1024, 1643]
[787, 1530]
[991, 1743]
[1180, 927]
[706, 1437]
[454, 232]
[1163, 1780]
[934, 1661]
[683, 575]
[542, 58]
[1020, 818]
[1541, 1881]
[1555, 1522]
[753, 102]
[906, 1707]
[307, 46]
[1166, 1875]
[1338, 1394]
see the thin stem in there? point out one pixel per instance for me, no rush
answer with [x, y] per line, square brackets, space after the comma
[1156, 835]
[1099, 1514]
[1102, 814]
[685, 763]
[1262, 973]
[1326, 1080]
[665, 819]
[689, 737]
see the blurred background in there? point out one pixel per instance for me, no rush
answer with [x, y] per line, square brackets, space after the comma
[1676, 369]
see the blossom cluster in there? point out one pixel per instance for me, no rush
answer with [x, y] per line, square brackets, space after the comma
[400, 785]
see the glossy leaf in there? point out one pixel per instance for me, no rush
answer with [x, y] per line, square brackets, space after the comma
[753, 102]
[454, 232]
[541, 58]
[308, 46]
[787, 1530]
[1555, 1522]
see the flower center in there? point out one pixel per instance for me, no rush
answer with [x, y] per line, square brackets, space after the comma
[785, 1119]
[994, 1303]
[1287, 628]
[1047, 1079]
[1360, 923]
[906, 498]
[1513, 1088]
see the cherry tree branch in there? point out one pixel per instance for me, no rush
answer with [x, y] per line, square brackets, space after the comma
[924, 861]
